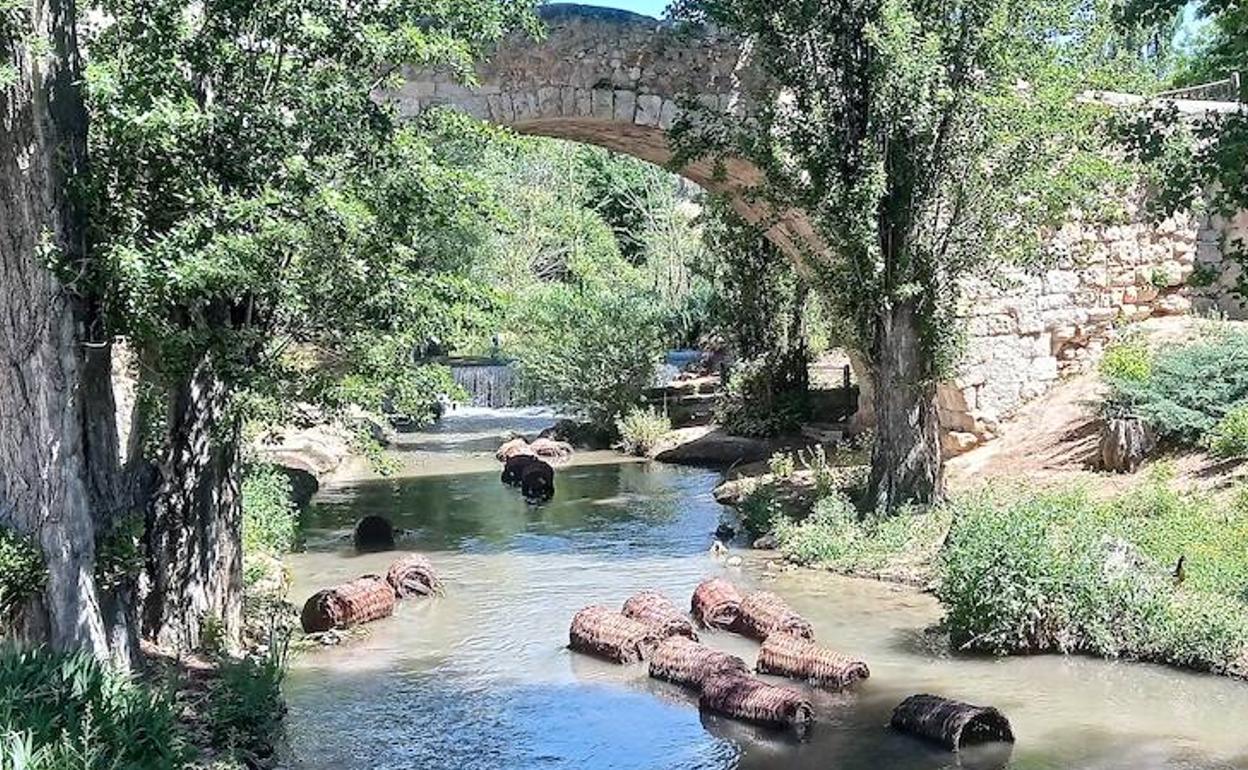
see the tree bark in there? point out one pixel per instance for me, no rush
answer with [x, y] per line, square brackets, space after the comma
[906, 464]
[51, 422]
[194, 550]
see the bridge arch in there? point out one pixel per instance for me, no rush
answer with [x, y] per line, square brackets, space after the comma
[617, 80]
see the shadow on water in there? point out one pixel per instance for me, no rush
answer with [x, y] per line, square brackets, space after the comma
[616, 511]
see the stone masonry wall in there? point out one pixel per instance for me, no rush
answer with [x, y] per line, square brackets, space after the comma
[1032, 328]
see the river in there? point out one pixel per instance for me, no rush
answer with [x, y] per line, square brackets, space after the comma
[481, 678]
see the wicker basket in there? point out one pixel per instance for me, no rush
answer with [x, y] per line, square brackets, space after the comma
[350, 604]
[657, 611]
[951, 723]
[716, 604]
[764, 613]
[682, 661]
[413, 575]
[744, 697]
[793, 656]
[598, 631]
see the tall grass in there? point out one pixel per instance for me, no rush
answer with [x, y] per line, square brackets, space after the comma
[70, 711]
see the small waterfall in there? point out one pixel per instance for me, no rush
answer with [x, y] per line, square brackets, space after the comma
[488, 385]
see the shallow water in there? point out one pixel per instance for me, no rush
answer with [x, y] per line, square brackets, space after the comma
[480, 678]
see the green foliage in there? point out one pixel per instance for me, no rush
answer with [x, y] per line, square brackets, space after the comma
[592, 351]
[270, 520]
[1060, 571]
[69, 710]
[1127, 361]
[837, 537]
[245, 705]
[119, 554]
[641, 430]
[1187, 390]
[765, 396]
[760, 509]
[1229, 438]
[782, 465]
[22, 573]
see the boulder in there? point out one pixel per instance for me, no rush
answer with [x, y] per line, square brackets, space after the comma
[710, 447]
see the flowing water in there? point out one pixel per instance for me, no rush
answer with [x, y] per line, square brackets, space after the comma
[481, 678]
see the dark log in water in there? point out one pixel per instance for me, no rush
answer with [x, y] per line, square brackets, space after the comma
[951, 723]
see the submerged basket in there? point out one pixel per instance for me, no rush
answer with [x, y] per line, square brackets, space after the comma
[744, 697]
[764, 613]
[793, 656]
[413, 575]
[682, 661]
[657, 611]
[716, 603]
[363, 599]
[951, 723]
[598, 631]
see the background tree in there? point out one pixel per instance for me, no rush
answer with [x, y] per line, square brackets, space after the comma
[924, 141]
[230, 141]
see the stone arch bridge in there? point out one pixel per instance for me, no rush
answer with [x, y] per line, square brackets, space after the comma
[621, 81]
[617, 80]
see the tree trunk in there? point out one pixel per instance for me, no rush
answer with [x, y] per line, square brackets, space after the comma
[905, 464]
[49, 420]
[194, 549]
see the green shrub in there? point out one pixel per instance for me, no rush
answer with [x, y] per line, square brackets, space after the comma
[641, 430]
[1230, 436]
[825, 536]
[760, 509]
[245, 706]
[837, 537]
[1129, 360]
[764, 397]
[21, 573]
[270, 519]
[782, 465]
[592, 351]
[1186, 390]
[1060, 571]
[70, 711]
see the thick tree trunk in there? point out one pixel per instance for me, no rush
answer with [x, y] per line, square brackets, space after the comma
[906, 464]
[51, 427]
[194, 570]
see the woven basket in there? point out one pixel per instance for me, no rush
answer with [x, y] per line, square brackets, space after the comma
[744, 697]
[598, 631]
[793, 656]
[716, 604]
[951, 723]
[413, 575]
[763, 613]
[657, 611]
[360, 601]
[682, 661]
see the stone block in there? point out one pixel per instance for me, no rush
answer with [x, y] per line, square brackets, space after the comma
[625, 106]
[649, 109]
[954, 443]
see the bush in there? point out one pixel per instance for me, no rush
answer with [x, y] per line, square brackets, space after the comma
[765, 397]
[62, 711]
[1062, 572]
[593, 351]
[21, 573]
[1230, 436]
[245, 706]
[824, 537]
[836, 537]
[1184, 392]
[641, 430]
[1129, 361]
[270, 519]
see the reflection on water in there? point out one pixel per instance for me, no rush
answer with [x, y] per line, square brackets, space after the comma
[481, 679]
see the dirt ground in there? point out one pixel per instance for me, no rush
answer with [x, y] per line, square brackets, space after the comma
[1054, 439]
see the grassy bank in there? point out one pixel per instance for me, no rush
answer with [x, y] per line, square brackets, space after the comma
[1158, 574]
[60, 711]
